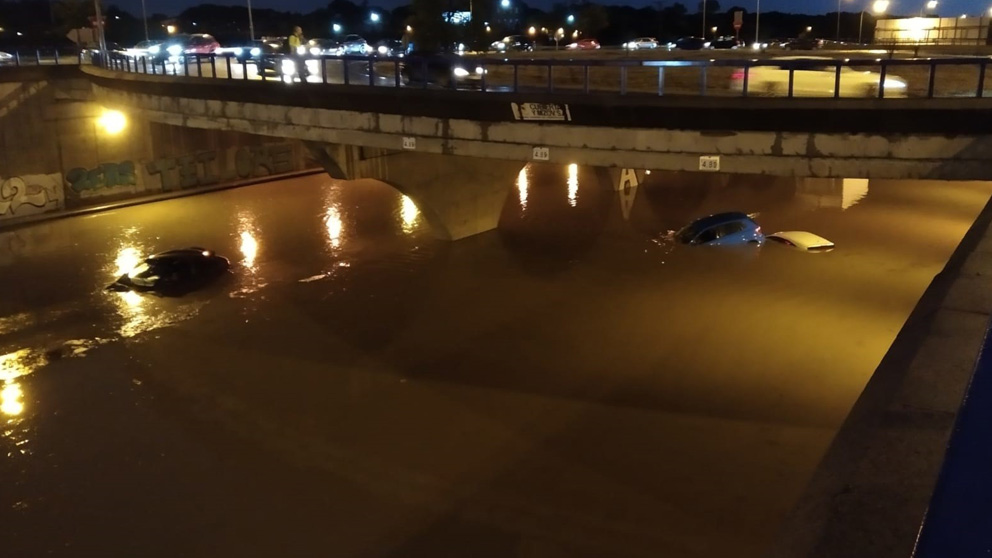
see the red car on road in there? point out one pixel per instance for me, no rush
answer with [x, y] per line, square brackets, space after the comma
[584, 44]
[201, 44]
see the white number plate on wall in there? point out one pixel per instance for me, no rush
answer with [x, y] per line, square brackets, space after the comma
[709, 163]
[409, 143]
[541, 154]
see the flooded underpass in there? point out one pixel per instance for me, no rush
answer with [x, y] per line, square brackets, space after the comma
[571, 384]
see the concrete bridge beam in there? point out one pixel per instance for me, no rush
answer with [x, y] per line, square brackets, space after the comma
[459, 196]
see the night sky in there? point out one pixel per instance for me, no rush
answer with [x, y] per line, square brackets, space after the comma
[947, 8]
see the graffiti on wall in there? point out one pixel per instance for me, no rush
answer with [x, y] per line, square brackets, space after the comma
[107, 175]
[205, 168]
[30, 194]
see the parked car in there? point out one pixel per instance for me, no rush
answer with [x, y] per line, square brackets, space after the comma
[641, 43]
[6, 58]
[815, 77]
[721, 229]
[171, 48]
[584, 44]
[440, 69]
[354, 44]
[725, 43]
[324, 47]
[802, 240]
[173, 273]
[513, 43]
[389, 48]
[692, 43]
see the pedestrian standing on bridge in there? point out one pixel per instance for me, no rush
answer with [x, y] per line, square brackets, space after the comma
[297, 49]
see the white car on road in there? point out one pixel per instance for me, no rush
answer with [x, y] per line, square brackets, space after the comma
[816, 78]
[642, 43]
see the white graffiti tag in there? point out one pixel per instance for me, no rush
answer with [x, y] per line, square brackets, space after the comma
[30, 195]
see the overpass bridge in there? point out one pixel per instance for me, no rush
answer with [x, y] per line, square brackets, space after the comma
[456, 154]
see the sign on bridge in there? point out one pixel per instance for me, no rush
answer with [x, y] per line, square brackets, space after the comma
[546, 112]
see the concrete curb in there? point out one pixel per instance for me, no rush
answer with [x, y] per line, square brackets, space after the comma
[869, 495]
[15, 223]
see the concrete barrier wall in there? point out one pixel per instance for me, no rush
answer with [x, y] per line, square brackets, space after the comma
[55, 155]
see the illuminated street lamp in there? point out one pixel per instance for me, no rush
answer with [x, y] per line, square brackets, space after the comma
[809, 29]
[570, 19]
[878, 8]
[713, 30]
[505, 4]
[170, 29]
[336, 27]
[374, 17]
[144, 18]
[532, 31]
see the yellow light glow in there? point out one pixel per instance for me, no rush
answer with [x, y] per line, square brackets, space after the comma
[573, 184]
[334, 227]
[15, 364]
[880, 6]
[409, 213]
[409, 29]
[249, 249]
[522, 186]
[647, 172]
[127, 258]
[10, 400]
[112, 121]
[170, 28]
[531, 31]
[132, 299]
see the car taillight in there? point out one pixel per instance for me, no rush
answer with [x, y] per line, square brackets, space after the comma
[738, 75]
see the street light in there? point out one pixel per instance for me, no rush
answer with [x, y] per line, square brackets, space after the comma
[532, 31]
[878, 8]
[570, 19]
[336, 27]
[374, 17]
[505, 4]
[144, 18]
[808, 28]
[757, 22]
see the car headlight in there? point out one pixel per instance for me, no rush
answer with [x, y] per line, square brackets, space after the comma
[175, 50]
[707, 44]
[632, 45]
[460, 72]
[255, 51]
[382, 50]
[154, 49]
[367, 49]
[314, 51]
[480, 70]
[288, 66]
[301, 49]
[238, 51]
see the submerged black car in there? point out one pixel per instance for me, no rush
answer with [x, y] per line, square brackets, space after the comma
[174, 272]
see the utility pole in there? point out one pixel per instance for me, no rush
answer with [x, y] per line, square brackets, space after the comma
[144, 18]
[838, 20]
[251, 22]
[757, 23]
[704, 19]
[99, 30]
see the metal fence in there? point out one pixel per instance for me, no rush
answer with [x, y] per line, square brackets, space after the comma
[788, 77]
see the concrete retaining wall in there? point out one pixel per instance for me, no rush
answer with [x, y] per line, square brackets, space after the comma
[56, 156]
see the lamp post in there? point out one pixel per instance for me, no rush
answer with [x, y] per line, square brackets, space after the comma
[251, 22]
[931, 5]
[878, 8]
[838, 20]
[101, 40]
[704, 19]
[757, 23]
[144, 18]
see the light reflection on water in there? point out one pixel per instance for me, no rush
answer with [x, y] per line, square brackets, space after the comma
[409, 213]
[573, 184]
[522, 186]
[335, 226]
[10, 399]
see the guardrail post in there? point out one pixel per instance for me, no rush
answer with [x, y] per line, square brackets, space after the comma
[747, 75]
[585, 79]
[371, 71]
[881, 80]
[516, 76]
[396, 72]
[981, 80]
[837, 82]
[623, 80]
[227, 63]
[37, 57]
[185, 65]
[661, 81]
[702, 80]
[323, 69]
[199, 67]
[80, 57]
[56, 57]
[17, 57]
[344, 69]
[244, 68]
[483, 78]
[933, 71]
[551, 79]
[792, 80]
[213, 65]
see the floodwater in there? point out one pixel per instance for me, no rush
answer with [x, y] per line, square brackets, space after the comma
[571, 384]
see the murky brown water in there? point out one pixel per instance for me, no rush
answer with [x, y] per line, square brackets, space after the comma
[569, 385]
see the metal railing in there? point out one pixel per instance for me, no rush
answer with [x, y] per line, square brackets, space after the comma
[43, 57]
[746, 77]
